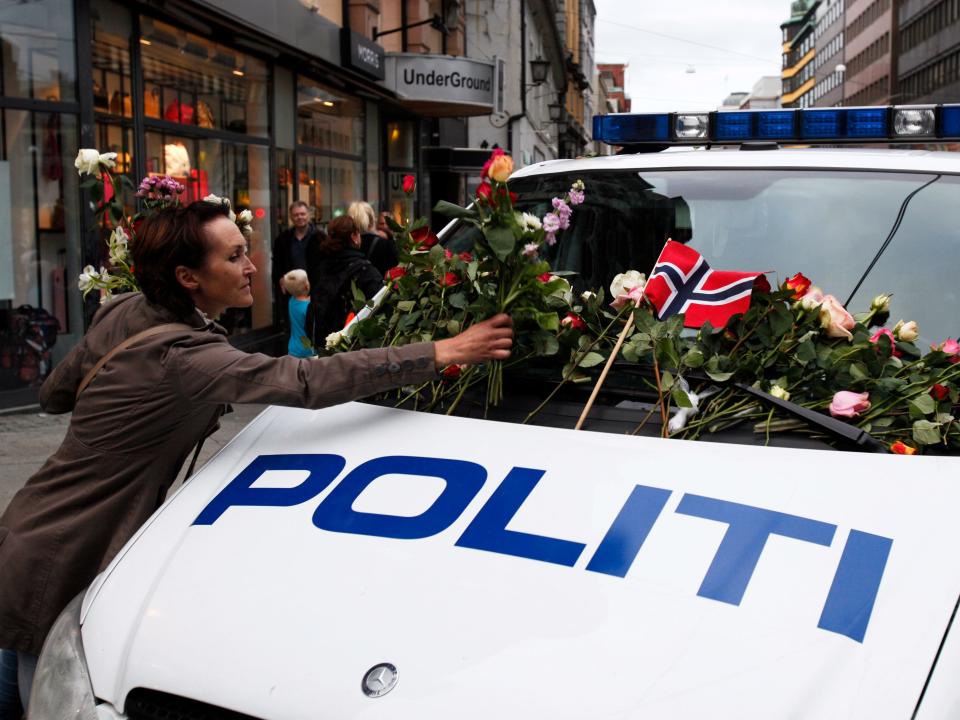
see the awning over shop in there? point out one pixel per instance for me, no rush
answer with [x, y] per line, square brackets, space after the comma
[441, 85]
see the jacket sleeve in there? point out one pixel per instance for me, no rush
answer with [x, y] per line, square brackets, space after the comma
[58, 394]
[216, 372]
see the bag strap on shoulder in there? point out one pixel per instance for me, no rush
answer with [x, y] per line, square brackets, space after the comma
[142, 335]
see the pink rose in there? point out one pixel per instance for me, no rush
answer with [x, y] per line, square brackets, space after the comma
[834, 318]
[950, 348]
[634, 295]
[849, 404]
[893, 341]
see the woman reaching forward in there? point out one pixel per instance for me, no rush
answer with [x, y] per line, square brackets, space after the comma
[143, 412]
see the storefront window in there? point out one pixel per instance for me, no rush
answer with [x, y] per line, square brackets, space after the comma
[37, 51]
[327, 120]
[401, 160]
[39, 245]
[233, 170]
[112, 85]
[194, 81]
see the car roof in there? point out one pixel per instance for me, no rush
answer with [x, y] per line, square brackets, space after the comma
[873, 159]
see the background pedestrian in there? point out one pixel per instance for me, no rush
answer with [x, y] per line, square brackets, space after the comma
[297, 286]
[379, 250]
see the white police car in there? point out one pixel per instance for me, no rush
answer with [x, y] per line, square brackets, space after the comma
[369, 562]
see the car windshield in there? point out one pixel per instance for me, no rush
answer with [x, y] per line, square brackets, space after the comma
[833, 226]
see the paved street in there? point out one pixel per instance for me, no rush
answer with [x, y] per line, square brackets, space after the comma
[27, 439]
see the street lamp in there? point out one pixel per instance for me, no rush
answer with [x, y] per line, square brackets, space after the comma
[539, 69]
[556, 111]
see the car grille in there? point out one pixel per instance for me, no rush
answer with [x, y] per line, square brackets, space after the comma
[143, 704]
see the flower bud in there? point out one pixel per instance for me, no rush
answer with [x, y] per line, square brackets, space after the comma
[906, 331]
[779, 392]
[881, 303]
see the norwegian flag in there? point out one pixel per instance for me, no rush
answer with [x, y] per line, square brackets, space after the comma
[682, 282]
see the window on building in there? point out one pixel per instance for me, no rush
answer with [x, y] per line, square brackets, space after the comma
[37, 54]
[193, 81]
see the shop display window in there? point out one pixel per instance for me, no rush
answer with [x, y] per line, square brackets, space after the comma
[236, 171]
[37, 51]
[40, 312]
[194, 81]
[112, 29]
[327, 120]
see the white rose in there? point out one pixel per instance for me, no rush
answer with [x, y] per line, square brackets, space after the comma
[587, 296]
[333, 339]
[625, 282]
[245, 217]
[812, 299]
[906, 331]
[779, 392]
[89, 160]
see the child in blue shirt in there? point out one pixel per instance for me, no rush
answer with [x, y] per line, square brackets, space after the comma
[297, 286]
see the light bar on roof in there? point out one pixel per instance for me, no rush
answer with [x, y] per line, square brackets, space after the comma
[827, 125]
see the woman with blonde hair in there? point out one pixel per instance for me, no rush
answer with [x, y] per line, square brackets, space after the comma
[380, 251]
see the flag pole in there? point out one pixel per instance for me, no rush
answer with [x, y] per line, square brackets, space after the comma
[613, 356]
[606, 369]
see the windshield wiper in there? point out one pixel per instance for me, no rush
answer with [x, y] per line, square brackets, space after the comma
[829, 425]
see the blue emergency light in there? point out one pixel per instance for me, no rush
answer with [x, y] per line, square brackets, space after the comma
[830, 125]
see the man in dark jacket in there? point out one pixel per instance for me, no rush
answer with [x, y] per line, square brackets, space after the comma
[297, 247]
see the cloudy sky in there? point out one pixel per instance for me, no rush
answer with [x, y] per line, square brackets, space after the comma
[690, 54]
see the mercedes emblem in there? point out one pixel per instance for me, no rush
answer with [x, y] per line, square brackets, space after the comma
[379, 680]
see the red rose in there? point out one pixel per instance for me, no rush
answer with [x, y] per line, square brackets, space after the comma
[451, 372]
[574, 321]
[799, 283]
[396, 273]
[939, 392]
[423, 238]
[449, 280]
[448, 255]
[875, 338]
[545, 278]
[901, 448]
[513, 198]
[761, 283]
[466, 257]
[484, 192]
[409, 184]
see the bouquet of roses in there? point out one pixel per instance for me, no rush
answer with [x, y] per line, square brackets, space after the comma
[435, 292]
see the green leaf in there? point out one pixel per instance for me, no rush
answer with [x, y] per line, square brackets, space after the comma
[453, 327]
[781, 320]
[806, 352]
[629, 352]
[472, 269]
[457, 300]
[667, 353]
[681, 399]
[501, 241]
[926, 432]
[455, 211]
[406, 305]
[545, 343]
[922, 405]
[693, 358]
[393, 224]
[547, 320]
[718, 375]
[590, 360]
[858, 371]
[667, 381]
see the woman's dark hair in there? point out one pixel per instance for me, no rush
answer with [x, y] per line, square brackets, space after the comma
[173, 236]
[340, 232]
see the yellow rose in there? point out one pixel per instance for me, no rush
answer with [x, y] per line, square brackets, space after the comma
[501, 168]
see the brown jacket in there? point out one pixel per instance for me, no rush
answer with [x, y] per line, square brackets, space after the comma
[130, 433]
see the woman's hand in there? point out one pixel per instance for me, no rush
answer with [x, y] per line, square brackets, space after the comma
[487, 340]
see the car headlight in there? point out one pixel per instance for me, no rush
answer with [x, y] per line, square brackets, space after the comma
[61, 684]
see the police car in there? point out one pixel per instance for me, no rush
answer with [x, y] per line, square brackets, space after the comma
[372, 562]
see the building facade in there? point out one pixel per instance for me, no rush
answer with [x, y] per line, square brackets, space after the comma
[829, 58]
[613, 77]
[928, 64]
[325, 101]
[799, 53]
[764, 95]
[870, 39]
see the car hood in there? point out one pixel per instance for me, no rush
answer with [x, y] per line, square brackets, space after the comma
[517, 571]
